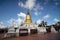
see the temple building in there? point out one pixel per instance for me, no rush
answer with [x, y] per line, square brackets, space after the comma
[28, 27]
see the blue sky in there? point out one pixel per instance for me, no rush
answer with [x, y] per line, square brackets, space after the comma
[47, 10]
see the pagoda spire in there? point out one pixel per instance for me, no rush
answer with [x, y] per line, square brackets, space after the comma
[28, 17]
[28, 11]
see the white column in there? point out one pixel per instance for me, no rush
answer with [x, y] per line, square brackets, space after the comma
[17, 32]
[28, 31]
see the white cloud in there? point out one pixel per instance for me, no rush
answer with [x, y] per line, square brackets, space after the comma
[36, 13]
[31, 4]
[2, 25]
[19, 21]
[15, 22]
[37, 9]
[46, 16]
[21, 4]
[28, 4]
[21, 14]
[11, 22]
[38, 21]
[56, 20]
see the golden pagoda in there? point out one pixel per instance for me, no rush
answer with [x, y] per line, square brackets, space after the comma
[28, 17]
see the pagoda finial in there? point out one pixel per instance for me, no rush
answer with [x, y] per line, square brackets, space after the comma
[28, 17]
[28, 8]
[28, 11]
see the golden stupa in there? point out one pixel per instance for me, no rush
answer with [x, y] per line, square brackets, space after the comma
[28, 17]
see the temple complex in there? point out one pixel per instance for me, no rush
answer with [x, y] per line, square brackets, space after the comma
[26, 28]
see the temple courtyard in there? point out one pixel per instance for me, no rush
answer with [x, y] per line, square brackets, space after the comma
[41, 36]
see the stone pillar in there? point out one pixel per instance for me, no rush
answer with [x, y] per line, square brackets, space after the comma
[17, 32]
[29, 31]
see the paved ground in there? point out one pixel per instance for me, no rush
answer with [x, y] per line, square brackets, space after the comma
[47, 36]
[1, 36]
